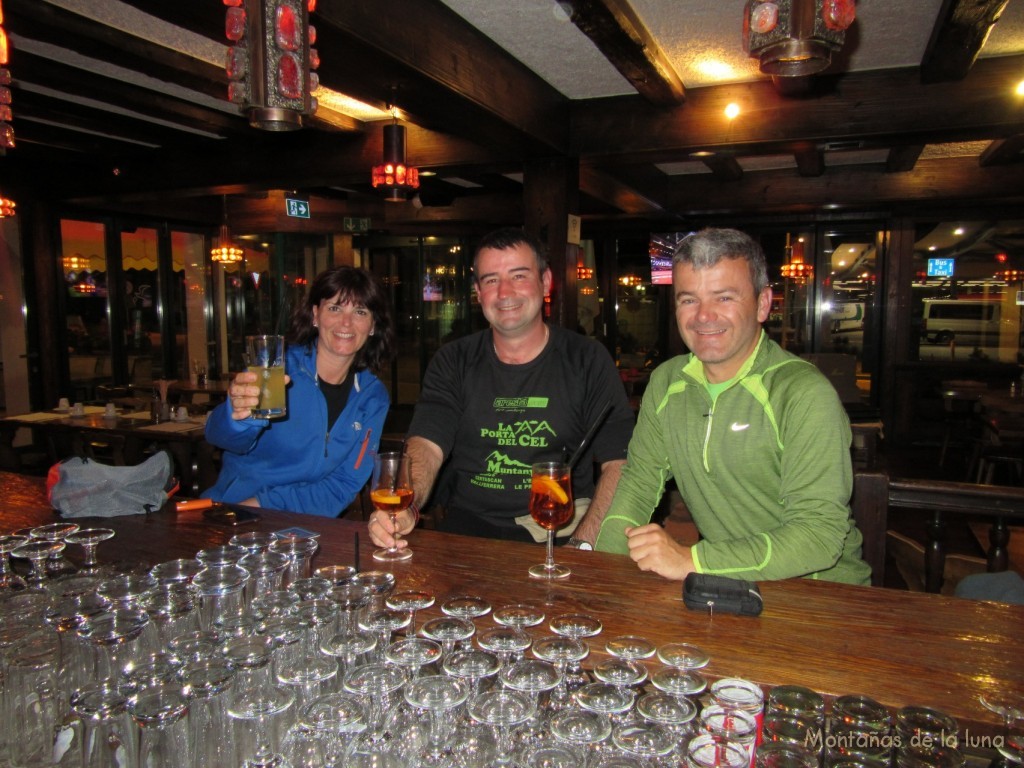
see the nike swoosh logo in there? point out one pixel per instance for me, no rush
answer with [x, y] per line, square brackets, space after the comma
[737, 427]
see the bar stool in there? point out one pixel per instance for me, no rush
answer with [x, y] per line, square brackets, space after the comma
[961, 413]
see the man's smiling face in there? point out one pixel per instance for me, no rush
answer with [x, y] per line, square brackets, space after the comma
[719, 315]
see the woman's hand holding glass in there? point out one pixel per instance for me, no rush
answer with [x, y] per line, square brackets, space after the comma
[244, 394]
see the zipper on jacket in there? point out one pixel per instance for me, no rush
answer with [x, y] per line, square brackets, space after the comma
[709, 416]
[327, 441]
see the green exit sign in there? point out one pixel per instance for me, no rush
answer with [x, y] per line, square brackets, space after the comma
[356, 224]
[297, 208]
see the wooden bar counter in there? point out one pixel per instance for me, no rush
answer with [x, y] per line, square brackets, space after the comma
[899, 647]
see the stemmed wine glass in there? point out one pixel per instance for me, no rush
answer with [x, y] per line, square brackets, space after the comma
[465, 606]
[560, 651]
[473, 666]
[507, 643]
[448, 631]
[624, 668]
[439, 695]
[502, 709]
[8, 578]
[382, 624]
[37, 551]
[88, 539]
[679, 677]
[583, 730]
[551, 507]
[1011, 707]
[55, 532]
[577, 626]
[413, 653]
[391, 492]
[410, 600]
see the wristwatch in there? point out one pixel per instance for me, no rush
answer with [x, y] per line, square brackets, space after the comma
[579, 544]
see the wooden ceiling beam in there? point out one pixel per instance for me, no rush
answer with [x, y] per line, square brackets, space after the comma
[623, 39]
[810, 159]
[1002, 151]
[960, 33]
[903, 158]
[723, 167]
[931, 181]
[609, 190]
[94, 40]
[79, 83]
[447, 74]
[982, 105]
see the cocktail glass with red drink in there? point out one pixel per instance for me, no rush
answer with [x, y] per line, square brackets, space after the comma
[551, 507]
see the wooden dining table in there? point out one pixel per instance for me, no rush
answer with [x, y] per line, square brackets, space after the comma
[134, 431]
[901, 648]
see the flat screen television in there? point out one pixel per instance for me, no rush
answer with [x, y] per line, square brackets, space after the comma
[662, 247]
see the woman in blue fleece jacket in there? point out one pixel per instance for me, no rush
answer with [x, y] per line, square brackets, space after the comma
[315, 459]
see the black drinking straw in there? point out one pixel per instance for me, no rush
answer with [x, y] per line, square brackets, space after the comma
[590, 435]
[355, 550]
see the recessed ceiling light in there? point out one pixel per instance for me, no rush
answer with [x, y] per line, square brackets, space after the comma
[1020, 88]
[958, 231]
[702, 153]
[933, 247]
[732, 110]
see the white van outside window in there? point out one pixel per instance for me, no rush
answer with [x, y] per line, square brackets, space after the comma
[968, 322]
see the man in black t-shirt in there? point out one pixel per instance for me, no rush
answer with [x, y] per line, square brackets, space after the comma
[497, 401]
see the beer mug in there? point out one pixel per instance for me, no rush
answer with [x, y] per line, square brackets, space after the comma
[266, 360]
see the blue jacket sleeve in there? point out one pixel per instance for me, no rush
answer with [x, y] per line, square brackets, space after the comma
[237, 436]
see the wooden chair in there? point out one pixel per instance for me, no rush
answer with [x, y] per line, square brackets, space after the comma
[870, 507]
[909, 557]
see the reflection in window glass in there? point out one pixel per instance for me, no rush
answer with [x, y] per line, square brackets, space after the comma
[84, 267]
[967, 275]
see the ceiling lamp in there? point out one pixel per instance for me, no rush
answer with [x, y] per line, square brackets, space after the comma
[1011, 275]
[393, 174]
[795, 269]
[271, 64]
[76, 262]
[226, 251]
[794, 38]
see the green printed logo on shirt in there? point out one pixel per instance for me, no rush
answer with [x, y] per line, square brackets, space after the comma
[519, 403]
[528, 433]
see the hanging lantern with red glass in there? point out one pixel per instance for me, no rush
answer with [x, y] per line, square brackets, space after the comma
[271, 65]
[393, 174]
[6, 130]
[795, 38]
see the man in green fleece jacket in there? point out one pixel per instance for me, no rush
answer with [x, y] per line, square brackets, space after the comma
[756, 438]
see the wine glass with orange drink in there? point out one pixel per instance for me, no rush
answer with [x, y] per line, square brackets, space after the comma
[551, 507]
[391, 492]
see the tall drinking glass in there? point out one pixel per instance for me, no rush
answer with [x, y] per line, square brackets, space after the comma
[266, 360]
[551, 507]
[391, 492]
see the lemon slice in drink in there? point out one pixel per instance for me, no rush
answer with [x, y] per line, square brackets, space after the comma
[384, 497]
[548, 486]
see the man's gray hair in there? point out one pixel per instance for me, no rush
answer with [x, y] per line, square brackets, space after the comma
[706, 248]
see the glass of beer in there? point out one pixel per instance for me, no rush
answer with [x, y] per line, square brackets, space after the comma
[551, 507]
[266, 360]
[391, 492]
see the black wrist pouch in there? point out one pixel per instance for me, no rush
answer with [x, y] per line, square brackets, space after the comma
[706, 592]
